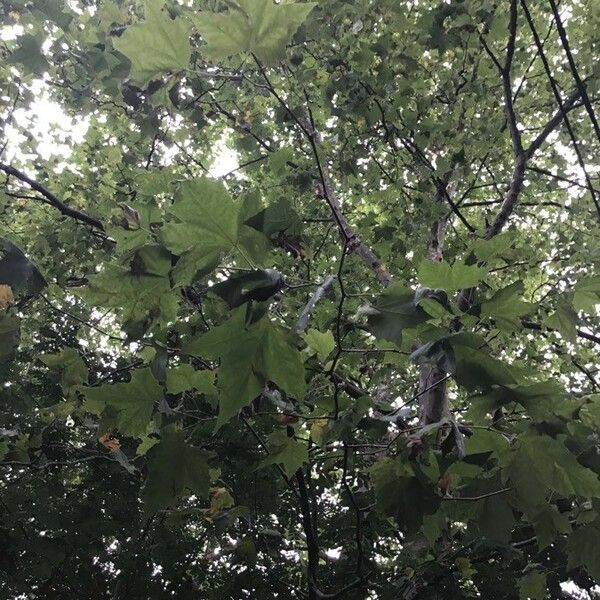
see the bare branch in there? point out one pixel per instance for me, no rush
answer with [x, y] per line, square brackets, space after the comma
[302, 322]
[553, 123]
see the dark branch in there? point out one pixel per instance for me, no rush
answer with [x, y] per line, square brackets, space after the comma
[578, 81]
[51, 198]
[559, 101]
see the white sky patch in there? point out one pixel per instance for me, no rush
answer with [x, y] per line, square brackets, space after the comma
[8, 33]
[225, 161]
[45, 122]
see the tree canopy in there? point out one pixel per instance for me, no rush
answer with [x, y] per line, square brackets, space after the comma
[299, 299]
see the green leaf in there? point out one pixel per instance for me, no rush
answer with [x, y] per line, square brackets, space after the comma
[586, 301]
[397, 308]
[174, 470]
[156, 46]
[319, 342]
[132, 402]
[548, 524]
[475, 369]
[588, 284]
[507, 302]
[487, 249]
[250, 357]
[532, 586]
[143, 299]
[151, 260]
[496, 520]
[583, 549]
[590, 412]
[206, 225]
[10, 333]
[449, 277]
[29, 54]
[286, 451]
[260, 27]
[540, 465]
[564, 320]
[401, 495]
[184, 377]
[277, 218]
[70, 367]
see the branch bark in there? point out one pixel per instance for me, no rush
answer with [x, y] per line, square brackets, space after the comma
[574, 71]
[561, 105]
[52, 199]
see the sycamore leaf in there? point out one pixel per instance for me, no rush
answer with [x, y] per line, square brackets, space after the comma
[532, 586]
[137, 298]
[564, 320]
[174, 469]
[540, 465]
[583, 549]
[10, 335]
[132, 403]
[70, 367]
[401, 495]
[507, 302]
[548, 524]
[257, 26]
[184, 377]
[155, 46]
[277, 218]
[291, 454]
[320, 343]
[449, 277]
[589, 284]
[29, 54]
[397, 308]
[494, 247]
[206, 227]
[250, 357]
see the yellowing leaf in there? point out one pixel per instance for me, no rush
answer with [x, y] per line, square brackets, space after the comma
[7, 297]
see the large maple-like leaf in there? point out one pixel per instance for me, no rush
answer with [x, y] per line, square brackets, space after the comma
[250, 357]
[156, 45]
[257, 26]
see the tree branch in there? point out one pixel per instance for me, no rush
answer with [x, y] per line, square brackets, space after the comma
[311, 537]
[350, 238]
[578, 81]
[52, 199]
[559, 101]
[553, 123]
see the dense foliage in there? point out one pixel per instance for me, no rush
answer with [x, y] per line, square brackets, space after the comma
[362, 363]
